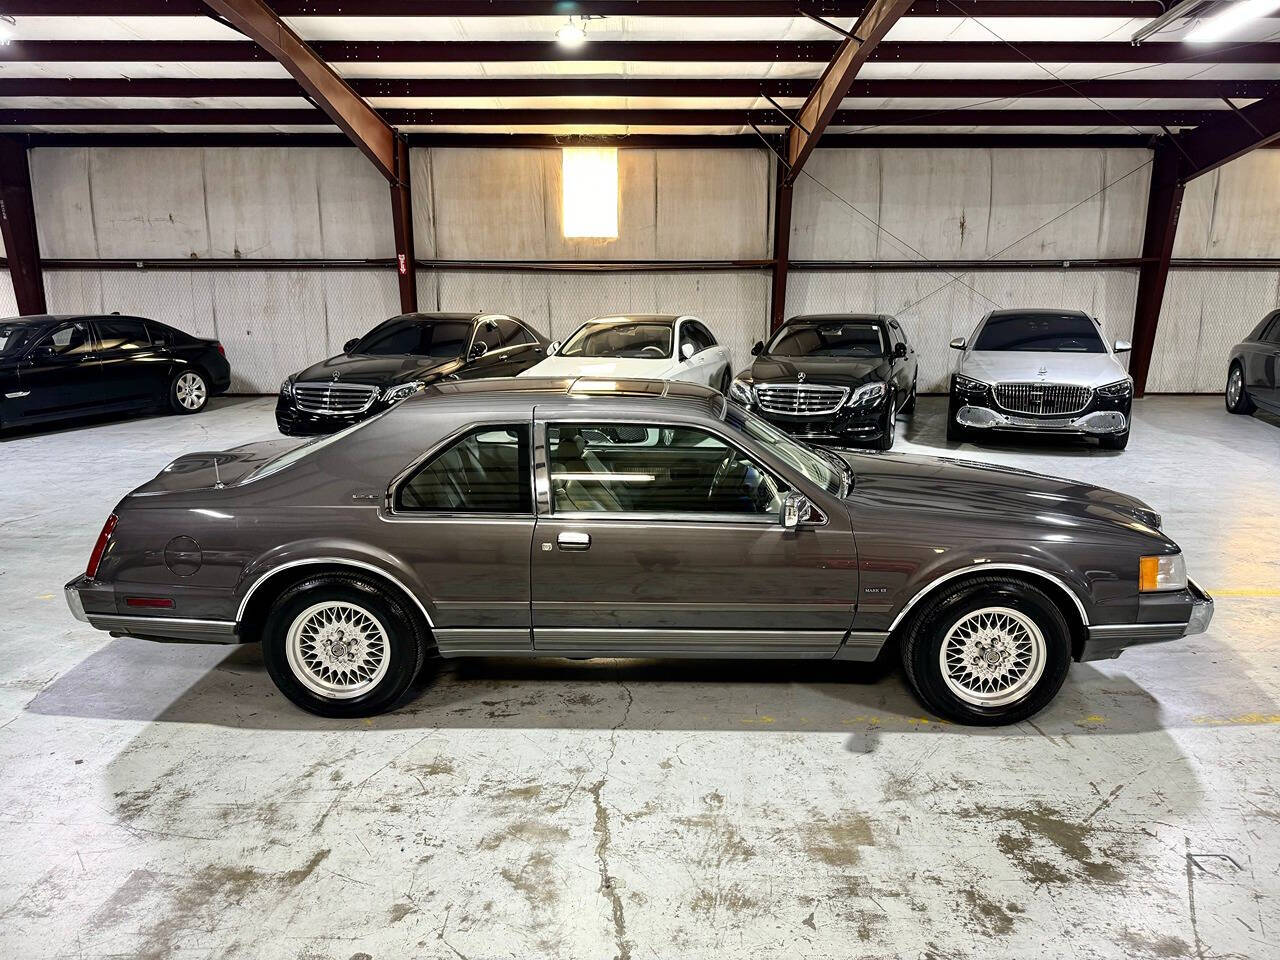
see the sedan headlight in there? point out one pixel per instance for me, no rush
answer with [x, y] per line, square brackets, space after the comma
[286, 389]
[1118, 390]
[1165, 572]
[969, 385]
[868, 393]
[401, 390]
[740, 392]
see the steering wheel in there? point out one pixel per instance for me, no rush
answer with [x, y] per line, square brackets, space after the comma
[727, 481]
[652, 350]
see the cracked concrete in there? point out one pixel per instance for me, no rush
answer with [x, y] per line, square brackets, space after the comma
[165, 800]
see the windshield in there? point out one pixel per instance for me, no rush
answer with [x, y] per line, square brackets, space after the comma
[636, 339]
[290, 457]
[15, 337]
[842, 338]
[1040, 332]
[815, 468]
[420, 338]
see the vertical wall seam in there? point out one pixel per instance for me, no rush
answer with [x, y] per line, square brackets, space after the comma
[204, 197]
[93, 212]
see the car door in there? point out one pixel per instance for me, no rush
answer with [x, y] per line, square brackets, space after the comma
[1269, 389]
[903, 361]
[1260, 362]
[135, 366]
[484, 357]
[695, 364]
[663, 538]
[60, 375]
[462, 519]
[520, 348]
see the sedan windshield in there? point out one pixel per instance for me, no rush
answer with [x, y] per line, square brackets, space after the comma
[1040, 332]
[633, 339]
[844, 338]
[816, 469]
[15, 337]
[421, 338]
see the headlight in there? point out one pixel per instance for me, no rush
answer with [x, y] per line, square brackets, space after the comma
[286, 389]
[740, 392]
[969, 385]
[1118, 390]
[1166, 572]
[400, 391]
[869, 392]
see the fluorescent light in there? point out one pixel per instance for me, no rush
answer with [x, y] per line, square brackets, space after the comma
[1235, 16]
[589, 190]
[7, 30]
[571, 34]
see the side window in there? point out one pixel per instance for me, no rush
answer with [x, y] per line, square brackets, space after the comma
[69, 340]
[485, 471]
[898, 335]
[1272, 333]
[708, 340]
[159, 336]
[601, 467]
[686, 337]
[122, 333]
[488, 333]
[511, 334]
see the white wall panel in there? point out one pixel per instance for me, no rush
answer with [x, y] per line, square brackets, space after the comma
[490, 204]
[148, 202]
[63, 202]
[1233, 211]
[8, 302]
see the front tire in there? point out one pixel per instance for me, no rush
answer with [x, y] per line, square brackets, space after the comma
[1236, 395]
[888, 429]
[988, 651]
[955, 432]
[341, 646]
[910, 406]
[188, 391]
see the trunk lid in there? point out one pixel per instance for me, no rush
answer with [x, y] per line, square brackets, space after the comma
[207, 469]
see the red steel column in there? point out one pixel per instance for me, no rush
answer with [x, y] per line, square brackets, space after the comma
[18, 225]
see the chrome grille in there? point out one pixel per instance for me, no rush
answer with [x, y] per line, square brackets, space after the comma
[341, 398]
[800, 399]
[1054, 399]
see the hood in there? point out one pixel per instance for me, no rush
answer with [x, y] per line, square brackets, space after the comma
[610, 367]
[1003, 366]
[378, 371]
[194, 471]
[961, 485]
[840, 371]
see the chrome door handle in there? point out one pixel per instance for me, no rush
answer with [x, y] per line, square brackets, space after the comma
[574, 541]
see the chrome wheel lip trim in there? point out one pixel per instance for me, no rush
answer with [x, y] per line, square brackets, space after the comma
[309, 678]
[1023, 685]
[1235, 386]
[191, 391]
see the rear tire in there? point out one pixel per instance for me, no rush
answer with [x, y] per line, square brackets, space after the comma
[987, 651]
[188, 391]
[341, 646]
[1236, 394]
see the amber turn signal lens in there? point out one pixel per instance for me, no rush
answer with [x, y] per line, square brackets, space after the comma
[1148, 573]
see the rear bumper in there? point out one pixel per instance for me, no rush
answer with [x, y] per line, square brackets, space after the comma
[89, 600]
[1106, 642]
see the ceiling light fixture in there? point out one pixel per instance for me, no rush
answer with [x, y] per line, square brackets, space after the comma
[572, 34]
[1233, 17]
[7, 32]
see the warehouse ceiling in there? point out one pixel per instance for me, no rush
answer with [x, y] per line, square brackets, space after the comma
[709, 67]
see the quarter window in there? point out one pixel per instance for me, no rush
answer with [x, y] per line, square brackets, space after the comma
[615, 468]
[485, 471]
[120, 333]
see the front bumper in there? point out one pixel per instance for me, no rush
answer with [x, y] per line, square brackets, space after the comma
[293, 422]
[861, 424]
[94, 603]
[1108, 641]
[1097, 423]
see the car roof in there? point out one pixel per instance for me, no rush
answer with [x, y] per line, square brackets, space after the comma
[1038, 311]
[443, 315]
[667, 318]
[531, 389]
[833, 317]
[42, 318]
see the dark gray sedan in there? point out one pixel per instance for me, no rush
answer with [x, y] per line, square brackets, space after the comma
[596, 518]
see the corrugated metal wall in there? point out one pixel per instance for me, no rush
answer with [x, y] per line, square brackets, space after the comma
[690, 204]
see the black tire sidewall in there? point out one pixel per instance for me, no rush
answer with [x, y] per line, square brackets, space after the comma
[923, 643]
[890, 426]
[405, 644]
[176, 406]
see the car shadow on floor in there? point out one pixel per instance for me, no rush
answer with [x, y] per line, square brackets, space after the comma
[134, 680]
[24, 432]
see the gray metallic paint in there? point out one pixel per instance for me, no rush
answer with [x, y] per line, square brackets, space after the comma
[656, 586]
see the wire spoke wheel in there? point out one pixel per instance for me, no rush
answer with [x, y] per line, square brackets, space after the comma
[337, 650]
[191, 391]
[992, 656]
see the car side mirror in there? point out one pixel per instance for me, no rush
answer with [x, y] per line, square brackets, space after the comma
[957, 343]
[555, 345]
[350, 345]
[44, 351]
[687, 350]
[1123, 346]
[478, 350]
[900, 350]
[795, 506]
[757, 348]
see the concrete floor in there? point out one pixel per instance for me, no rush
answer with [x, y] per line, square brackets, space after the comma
[162, 801]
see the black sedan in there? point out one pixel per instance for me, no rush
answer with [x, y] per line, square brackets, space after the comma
[836, 377]
[1251, 371]
[58, 366]
[398, 358]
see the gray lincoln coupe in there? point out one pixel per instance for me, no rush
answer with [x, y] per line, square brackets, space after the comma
[629, 518]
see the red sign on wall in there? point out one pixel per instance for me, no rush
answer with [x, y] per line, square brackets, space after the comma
[404, 267]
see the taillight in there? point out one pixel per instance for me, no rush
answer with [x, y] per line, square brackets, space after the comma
[221, 349]
[95, 558]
